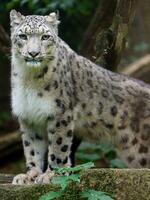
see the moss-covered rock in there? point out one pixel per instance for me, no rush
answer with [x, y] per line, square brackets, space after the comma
[123, 184]
[126, 184]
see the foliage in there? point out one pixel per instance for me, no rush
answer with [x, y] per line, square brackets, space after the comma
[141, 47]
[51, 195]
[75, 15]
[74, 177]
[64, 180]
[95, 195]
[4, 116]
[117, 163]
[95, 152]
[87, 157]
[77, 168]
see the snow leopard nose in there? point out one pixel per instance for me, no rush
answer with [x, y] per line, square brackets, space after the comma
[33, 54]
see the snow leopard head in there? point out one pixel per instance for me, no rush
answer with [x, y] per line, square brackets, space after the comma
[33, 37]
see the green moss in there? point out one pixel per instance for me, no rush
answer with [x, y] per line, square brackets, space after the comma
[123, 184]
[10, 192]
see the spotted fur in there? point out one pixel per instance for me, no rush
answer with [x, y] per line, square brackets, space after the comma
[57, 94]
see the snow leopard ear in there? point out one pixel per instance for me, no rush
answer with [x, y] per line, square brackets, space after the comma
[52, 19]
[15, 18]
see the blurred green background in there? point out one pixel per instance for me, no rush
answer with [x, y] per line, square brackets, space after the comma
[75, 15]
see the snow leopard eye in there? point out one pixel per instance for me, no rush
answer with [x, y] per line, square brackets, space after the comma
[45, 37]
[23, 36]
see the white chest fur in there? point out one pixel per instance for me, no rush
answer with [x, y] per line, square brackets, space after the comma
[28, 105]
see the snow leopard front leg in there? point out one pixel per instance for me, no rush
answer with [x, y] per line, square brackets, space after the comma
[35, 147]
[60, 135]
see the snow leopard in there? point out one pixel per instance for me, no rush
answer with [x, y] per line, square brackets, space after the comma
[58, 95]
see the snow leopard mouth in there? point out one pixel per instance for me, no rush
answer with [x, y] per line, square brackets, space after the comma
[33, 59]
[33, 62]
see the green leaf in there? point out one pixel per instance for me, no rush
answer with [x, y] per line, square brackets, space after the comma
[117, 163]
[95, 195]
[86, 145]
[23, 2]
[143, 46]
[106, 147]
[51, 195]
[111, 155]
[64, 180]
[12, 4]
[87, 157]
[74, 169]
[106, 197]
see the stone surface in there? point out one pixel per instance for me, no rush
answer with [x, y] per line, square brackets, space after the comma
[121, 184]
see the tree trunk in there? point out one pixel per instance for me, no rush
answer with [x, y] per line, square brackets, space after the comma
[10, 144]
[4, 69]
[139, 35]
[4, 41]
[105, 38]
